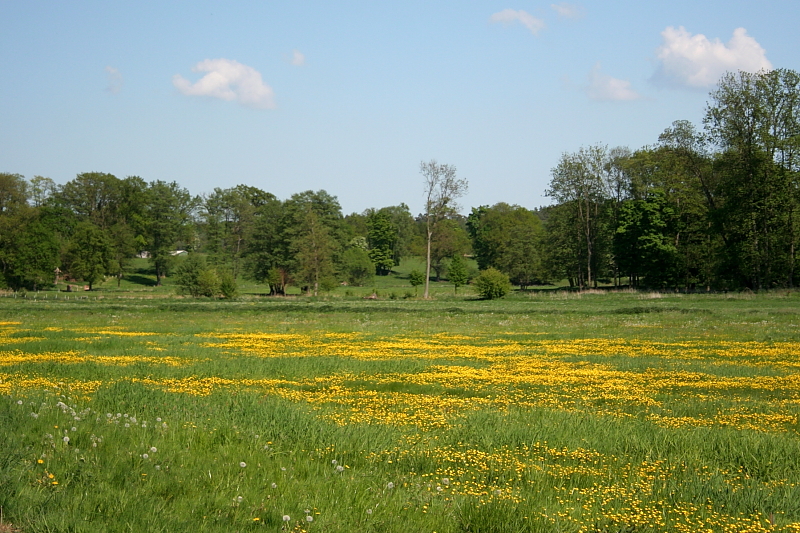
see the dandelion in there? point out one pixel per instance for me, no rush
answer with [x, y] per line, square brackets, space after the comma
[158, 467]
[125, 415]
[66, 440]
[109, 415]
[283, 468]
[40, 461]
[334, 462]
[309, 518]
[243, 464]
[153, 449]
[74, 428]
[286, 518]
[158, 419]
[256, 519]
[34, 415]
[369, 511]
[127, 425]
[497, 492]
[256, 436]
[274, 485]
[390, 485]
[445, 481]
[145, 456]
[19, 402]
[339, 468]
[239, 499]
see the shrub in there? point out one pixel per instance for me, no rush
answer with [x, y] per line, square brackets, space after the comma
[491, 284]
[227, 285]
[208, 283]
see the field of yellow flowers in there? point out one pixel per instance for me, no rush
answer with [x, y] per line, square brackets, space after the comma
[597, 413]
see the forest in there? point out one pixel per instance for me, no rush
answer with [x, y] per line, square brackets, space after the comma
[705, 207]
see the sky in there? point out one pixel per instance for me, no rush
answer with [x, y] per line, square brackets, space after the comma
[351, 96]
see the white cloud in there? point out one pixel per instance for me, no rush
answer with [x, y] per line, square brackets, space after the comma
[695, 61]
[298, 58]
[605, 88]
[114, 78]
[228, 80]
[509, 16]
[567, 11]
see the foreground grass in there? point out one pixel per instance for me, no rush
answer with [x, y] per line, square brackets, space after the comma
[548, 412]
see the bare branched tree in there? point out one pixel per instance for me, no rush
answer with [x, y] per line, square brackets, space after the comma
[442, 188]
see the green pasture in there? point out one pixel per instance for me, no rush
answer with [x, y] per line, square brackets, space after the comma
[130, 409]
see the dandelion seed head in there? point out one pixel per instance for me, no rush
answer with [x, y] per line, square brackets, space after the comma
[66, 439]
[274, 485]
[369, 511]
[153, 449]
[158, 419]
[158, 467]
[334, 462]
[309, 518]
[145, 456]
[390, 485]
[239, 499]
[243, 464]
[73, 428]
[286, 518]
[445, 481]
[19, 402]
[339, 468]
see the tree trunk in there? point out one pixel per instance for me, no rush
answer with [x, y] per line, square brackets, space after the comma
[428, 265]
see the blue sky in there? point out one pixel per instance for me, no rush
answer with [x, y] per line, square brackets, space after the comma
[350, 96]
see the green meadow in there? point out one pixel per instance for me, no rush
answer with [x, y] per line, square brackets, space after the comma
[131, 409]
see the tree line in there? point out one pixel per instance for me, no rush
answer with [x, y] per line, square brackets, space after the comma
[714, 207]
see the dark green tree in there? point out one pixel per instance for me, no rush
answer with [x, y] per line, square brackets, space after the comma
[381, 236]
[168, 218]
[90, 253]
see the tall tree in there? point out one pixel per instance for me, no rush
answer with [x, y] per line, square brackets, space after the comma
[314, 248]
[381, 237]
[579, 180]
[442, 189]
[754, 119]
[90, 253]
[95, 196]
[168, 216]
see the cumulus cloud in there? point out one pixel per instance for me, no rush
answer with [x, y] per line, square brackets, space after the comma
[509, 16]
[298, 58]
[229, 80]
[114, 78]
[605, 88]
[695, 61]
[567, 11]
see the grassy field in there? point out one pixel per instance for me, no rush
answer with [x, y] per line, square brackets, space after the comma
[548, 411]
